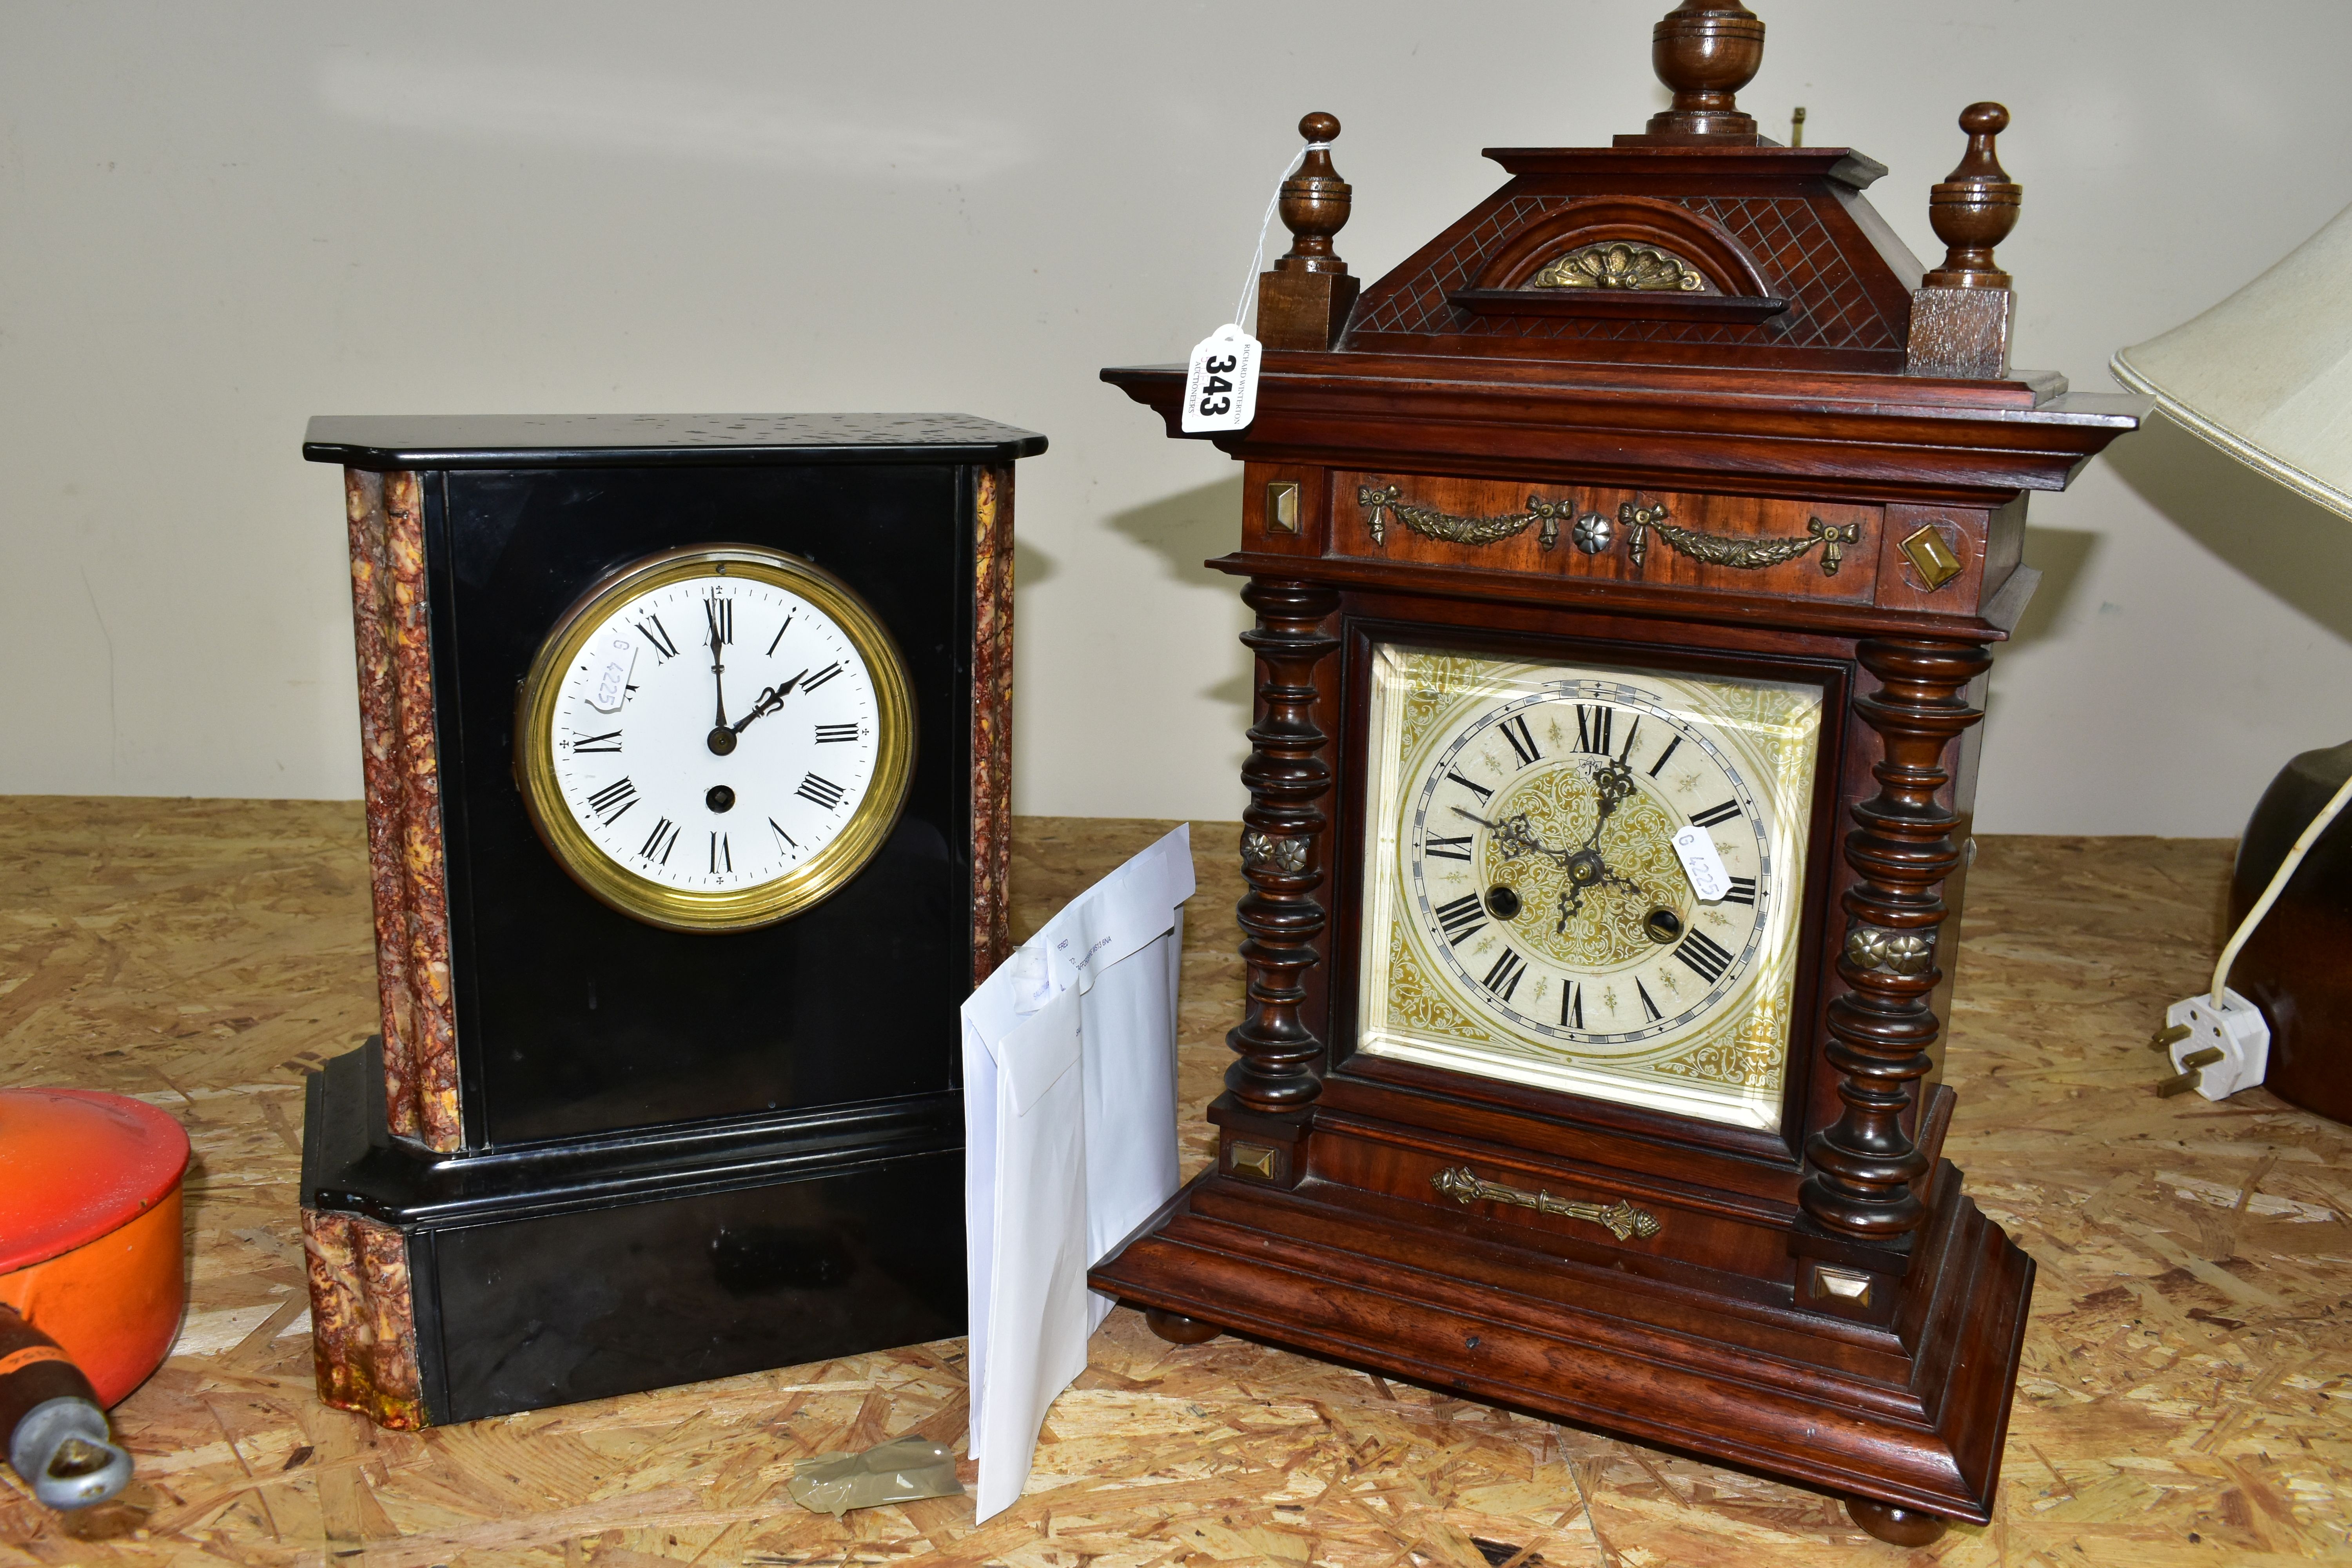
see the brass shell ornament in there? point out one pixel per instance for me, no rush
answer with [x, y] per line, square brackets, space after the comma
[1617, 265]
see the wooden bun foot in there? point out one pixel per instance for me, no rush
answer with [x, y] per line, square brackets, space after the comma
[1896, 1526]
[1178, 1330]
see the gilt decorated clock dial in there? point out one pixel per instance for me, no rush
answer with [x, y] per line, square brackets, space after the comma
[1579, 878]
[1627, 563]
[686, 745]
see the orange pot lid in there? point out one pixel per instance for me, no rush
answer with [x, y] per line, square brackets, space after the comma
[75, 1163]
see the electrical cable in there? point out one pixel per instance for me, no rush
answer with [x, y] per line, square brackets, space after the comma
[2328, 813]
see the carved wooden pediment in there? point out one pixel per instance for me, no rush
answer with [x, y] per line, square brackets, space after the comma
[1796, 270]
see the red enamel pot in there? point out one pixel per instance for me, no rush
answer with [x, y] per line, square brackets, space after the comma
[93, 1276]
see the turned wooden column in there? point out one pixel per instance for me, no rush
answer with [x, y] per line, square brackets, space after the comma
[1862, 1166]
[1277, 1071]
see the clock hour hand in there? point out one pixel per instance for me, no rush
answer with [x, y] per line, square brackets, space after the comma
[1514, 835]
[768, 701]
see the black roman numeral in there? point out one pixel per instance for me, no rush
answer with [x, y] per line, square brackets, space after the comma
[722, 616]
[822, 676]
[1514, 731]
[659, 637]
[1715, 813]
[782, 835]
[1594, 723]
[1465, 917]
[615, 798]
[1572, 1005]
[721, 857]
[1699, 951]
[1504, 978]
[660, 841]
[1664, 755]
[826, 733]
[1481, 790]
[780, 634]
[1442, 848]
[587, 743]
[820, 791]
[1743, 891]
[1649, 1008]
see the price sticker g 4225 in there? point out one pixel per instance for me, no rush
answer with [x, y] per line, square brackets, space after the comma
[1221, 384]
[1701, 864]
[612, 661]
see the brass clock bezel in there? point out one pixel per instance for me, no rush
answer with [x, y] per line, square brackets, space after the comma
[742, 909]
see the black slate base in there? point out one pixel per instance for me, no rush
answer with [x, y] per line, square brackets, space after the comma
[577, 1271]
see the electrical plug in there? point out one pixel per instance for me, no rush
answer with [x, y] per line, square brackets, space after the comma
[2217, 1051]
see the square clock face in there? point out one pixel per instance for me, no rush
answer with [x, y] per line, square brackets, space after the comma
[1587, 878]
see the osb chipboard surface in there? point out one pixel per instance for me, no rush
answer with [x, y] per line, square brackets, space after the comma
[2185, 1366]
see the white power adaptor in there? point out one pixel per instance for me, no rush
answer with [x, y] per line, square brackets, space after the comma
[2224, 1048]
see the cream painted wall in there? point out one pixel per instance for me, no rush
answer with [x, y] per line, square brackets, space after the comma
[217, 219]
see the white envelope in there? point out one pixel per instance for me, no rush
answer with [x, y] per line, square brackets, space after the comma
[1070, 1140]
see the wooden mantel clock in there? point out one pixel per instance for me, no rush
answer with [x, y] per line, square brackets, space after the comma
[688, 779]
[1626, 562]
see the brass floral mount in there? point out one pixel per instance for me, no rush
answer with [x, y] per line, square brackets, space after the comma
[1897, 951]
[1594, 534]
[1282, 854]
[1618, 265]
[1621, 1219]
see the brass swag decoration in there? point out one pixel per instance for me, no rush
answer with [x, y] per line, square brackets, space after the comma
[1623, 1220]
[1724, 550]
[1593, 533]
[1617, 265]
[1449, 528]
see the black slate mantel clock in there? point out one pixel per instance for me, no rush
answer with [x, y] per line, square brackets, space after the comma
[1627, 563]
[686, 751]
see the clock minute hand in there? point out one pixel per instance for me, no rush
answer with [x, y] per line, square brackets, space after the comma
[718, 669]
[768, 701]
[1611, 785]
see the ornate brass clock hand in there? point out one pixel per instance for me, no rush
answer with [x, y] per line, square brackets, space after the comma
[768, 701]
[1515, 835]
[1613, 783]
[1584, 866]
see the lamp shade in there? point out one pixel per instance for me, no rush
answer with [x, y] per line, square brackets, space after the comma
[2266, 375]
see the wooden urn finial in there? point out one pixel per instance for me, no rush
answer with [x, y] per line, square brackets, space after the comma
[1303, 303]
[1975, 207]
[1315, 201]
[1706, 50]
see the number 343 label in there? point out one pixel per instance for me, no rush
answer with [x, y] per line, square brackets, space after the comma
[1221, 385]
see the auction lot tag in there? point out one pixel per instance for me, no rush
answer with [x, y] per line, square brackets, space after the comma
[1701, 864]
[1221, 384]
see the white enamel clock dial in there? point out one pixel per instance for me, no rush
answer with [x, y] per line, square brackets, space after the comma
[716, 739]
[1529, 913]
